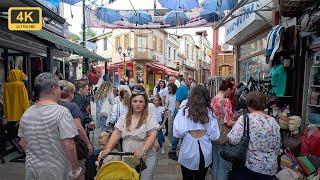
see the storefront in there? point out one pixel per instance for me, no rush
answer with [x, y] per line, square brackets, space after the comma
[247, 34]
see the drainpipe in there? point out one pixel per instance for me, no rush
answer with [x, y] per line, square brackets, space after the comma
[214, 52]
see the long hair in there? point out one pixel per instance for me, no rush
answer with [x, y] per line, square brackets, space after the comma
[199, 104]
[158, 86]
[103, 90]
[125, 96]
[137, 90]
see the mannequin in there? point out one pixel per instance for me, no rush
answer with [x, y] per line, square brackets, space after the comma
[291, 140]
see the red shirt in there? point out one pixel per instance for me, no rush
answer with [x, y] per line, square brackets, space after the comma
[216, 105]
[310, 145]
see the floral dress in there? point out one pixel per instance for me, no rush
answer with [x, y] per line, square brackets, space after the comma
[216, 105]
[264, 145]
[135, 139]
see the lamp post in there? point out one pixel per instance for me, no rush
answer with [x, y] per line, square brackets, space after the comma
[124, 55]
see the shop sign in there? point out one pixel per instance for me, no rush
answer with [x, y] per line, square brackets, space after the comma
[233, 27]
[55, 27]
[25, 18]
[4, 36]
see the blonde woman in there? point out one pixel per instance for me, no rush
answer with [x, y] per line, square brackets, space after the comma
[102, 104]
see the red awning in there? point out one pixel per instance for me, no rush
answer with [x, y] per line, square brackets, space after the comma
[167, 70]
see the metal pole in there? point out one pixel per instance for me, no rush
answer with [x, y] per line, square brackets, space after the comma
[84, 23]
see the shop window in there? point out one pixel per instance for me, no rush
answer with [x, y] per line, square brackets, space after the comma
[253, 47]
[126, 41]
[255, 67]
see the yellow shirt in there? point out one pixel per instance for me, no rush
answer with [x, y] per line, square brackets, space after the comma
[15, 96]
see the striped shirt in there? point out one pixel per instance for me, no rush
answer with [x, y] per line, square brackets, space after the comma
[43, 127]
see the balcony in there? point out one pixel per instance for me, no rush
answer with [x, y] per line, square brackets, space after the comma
[143, 54]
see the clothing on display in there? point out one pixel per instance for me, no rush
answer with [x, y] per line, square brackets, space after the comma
[278, 79]
[15, 96]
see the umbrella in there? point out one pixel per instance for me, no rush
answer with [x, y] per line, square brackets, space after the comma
[139, 17]
[179, 4]
[71, 2]
[176, 18]
[210, 16]
[219, 5]
[108, 15]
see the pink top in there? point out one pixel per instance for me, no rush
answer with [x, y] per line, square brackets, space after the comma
[216, 105]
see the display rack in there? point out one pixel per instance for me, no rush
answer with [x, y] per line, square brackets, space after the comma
[313, 96]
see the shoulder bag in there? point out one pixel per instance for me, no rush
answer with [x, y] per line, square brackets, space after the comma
[224, 129]
[237, 153]
[81, 148]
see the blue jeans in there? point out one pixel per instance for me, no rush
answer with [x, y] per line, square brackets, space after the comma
[160, 137]
[220, 167]
[174, 144]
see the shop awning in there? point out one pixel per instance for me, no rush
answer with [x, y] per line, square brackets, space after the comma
[167, 70]
[67, 46]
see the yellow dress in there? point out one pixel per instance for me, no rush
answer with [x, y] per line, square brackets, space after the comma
[15, 96]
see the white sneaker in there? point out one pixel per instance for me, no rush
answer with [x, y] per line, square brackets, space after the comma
[162, 150]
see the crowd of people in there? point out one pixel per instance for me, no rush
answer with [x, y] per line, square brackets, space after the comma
[54, 131]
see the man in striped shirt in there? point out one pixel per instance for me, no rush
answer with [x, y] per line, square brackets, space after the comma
[46, 131]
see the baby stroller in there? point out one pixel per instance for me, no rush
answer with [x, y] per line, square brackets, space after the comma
[118, 170]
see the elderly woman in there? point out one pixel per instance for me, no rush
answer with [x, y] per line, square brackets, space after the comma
[138, 128]
[264, 145]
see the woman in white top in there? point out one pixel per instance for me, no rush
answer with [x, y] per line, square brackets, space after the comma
[161, 90]
[171, 105]
[197, 125]
[119, 109]
[139, 129]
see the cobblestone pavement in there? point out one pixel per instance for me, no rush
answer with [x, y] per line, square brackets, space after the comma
[166, 168]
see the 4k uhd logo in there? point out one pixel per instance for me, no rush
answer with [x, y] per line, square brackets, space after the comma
[25, 18]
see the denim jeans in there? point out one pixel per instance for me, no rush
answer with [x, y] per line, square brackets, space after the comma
[220, 167]
[174, 144]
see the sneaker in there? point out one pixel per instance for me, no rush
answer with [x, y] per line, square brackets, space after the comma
[173, 156]
[162, 150]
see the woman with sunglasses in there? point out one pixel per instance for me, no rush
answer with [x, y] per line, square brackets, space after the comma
[138, 128]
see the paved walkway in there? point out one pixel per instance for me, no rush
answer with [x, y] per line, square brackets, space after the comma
[166, 169]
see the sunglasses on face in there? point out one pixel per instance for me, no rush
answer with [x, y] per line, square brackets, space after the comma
[138, 92]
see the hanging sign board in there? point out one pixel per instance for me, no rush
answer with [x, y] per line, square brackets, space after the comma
[25, 19]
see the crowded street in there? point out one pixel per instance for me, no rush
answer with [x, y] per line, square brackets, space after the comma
[160, 90]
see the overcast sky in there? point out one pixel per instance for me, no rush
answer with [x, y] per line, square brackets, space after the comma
[76, 20]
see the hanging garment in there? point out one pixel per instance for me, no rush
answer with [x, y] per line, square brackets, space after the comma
[15, 96]
[278, 79]
[274, 42]
[310, 142]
